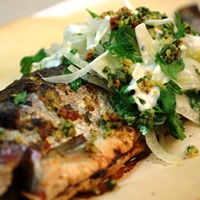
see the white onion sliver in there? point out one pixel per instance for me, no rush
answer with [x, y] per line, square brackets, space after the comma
[158, 151]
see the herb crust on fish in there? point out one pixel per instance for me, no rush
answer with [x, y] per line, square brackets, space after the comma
[63, 135]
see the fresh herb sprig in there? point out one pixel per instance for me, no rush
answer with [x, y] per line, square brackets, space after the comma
[19, 98]
[26, 62]
[123, 44]
[181, 26]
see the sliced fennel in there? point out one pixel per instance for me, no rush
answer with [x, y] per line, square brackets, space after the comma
[158, 150]
[148, 47]
[97, 65]
[54, 60]
[183, 107]
[158, 22]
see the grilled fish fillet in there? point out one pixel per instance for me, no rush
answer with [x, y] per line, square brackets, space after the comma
[57, 139]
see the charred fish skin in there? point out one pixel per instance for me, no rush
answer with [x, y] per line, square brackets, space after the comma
[63, 130]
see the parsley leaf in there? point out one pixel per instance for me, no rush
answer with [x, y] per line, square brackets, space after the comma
[194, 100]
[172, 121]
[125, 105]
[171, 69]
[174, 126]
[174, 87]
[167, 100]
[93, 15]
[123, 46]
[146, 121]
[74, 85]
[26, 62]
[181, 27]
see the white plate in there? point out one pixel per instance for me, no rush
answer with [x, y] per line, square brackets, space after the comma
[150, 179]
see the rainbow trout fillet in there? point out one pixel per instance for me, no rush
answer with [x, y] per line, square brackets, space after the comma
[59, 142]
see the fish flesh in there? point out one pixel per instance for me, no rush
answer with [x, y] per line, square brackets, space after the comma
[60, 142]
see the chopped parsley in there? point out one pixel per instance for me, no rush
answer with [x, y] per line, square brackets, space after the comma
[74, 85]
[19, 98]
[191, 151]
[68, 128]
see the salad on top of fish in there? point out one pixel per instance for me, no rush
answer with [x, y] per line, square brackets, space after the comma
[147, 60]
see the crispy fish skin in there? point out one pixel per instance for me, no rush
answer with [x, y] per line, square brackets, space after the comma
[71, 151]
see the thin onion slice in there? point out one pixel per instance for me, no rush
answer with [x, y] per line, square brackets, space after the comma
[158, 151]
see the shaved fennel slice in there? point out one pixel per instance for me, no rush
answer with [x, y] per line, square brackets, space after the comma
[105, 59]
[192, 43]
[67, 78]
[97, 65]
[75, 37]
[159, 75]
[147, 46]
[90, 40]
[98, 27]
[158, 21]
[76, 30]
[188, 78]
[54, 60]
[73, 58]
[193, 62]
[103, 28]
[183, 108]
[158, 151]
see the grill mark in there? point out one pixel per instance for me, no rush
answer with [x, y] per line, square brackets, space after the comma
[98, 174]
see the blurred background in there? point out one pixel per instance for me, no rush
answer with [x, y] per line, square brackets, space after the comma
[15, 9]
